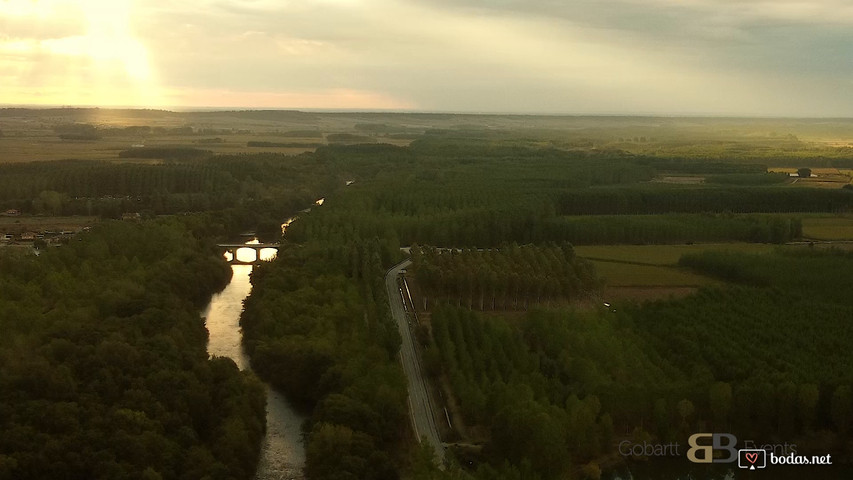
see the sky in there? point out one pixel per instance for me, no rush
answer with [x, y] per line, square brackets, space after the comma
[667, 57]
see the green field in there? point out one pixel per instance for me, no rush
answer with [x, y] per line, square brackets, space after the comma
[29, 135]
[44, 146]
[661, 254]
[15, 250]
[566, 356]
[828, 228]
[784, 144]
[650, 272]
[630, 275]
[34, 223]
[646, 272]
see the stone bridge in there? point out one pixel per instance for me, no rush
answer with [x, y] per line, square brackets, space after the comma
[257, 247]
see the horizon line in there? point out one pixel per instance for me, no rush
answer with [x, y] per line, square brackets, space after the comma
[236, 109]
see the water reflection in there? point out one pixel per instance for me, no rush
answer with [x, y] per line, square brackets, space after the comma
[282, 454]
[249, 255]
[222, 317]
[287, 224]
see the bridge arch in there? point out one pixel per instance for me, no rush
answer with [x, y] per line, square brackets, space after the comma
[233, 248]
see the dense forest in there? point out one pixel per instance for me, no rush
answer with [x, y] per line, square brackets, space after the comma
[748, 360]
[780, 339]
[552, 391]
[320, 330]
[454, 194]
[509, 277]
[104, 371]
[245, 191]
[641, 386]
[430, 193]
[557, 375]
[646, 200]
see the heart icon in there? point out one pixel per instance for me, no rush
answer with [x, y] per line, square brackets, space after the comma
[752, 457]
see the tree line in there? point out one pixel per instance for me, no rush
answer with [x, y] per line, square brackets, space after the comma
[258, 144]
[552, 391]
[166, 153]
[749, 178]
[553, 366]
[507, 278]
[658, 199]
[270, 185]
[103, 367]
[483, 197]
[763, 360]
[778, 354]
[489, 228]
[320, 329]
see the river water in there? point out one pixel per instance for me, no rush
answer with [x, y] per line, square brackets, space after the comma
[283, 452]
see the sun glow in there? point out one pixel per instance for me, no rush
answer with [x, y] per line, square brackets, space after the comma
[98, 61]
[107, 40]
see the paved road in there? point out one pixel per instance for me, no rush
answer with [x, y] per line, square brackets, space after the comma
[420, 409]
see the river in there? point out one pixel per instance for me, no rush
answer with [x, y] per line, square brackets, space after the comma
[283, 452]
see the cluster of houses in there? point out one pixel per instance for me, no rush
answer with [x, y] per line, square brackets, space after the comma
[21, 231]
[48, 236]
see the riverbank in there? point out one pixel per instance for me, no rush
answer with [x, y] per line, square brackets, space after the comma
[282, 450]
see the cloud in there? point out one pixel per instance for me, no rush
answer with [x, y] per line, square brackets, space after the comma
[581, 56]
[68, 52]
[23, 19]
[324, 99]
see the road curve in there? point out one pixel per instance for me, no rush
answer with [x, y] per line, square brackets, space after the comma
[420, 410]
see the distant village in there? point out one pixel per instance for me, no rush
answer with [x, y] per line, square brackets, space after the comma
[26, 230]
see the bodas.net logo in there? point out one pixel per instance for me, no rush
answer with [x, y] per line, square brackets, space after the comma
[752, 458]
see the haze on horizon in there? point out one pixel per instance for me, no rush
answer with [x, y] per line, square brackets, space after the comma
[714, 57]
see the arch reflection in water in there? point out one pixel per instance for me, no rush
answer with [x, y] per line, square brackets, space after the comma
[250, 255]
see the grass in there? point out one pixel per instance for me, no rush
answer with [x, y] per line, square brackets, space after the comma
[828, 228]
[836, 181]
[46, 148]
[46, 220]
[15, 250]
[822, 177]
[661, 254]
[631, 275]
[649, 272]
[680, 180]
[18, 225]
[642, 294]
[30, 136]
